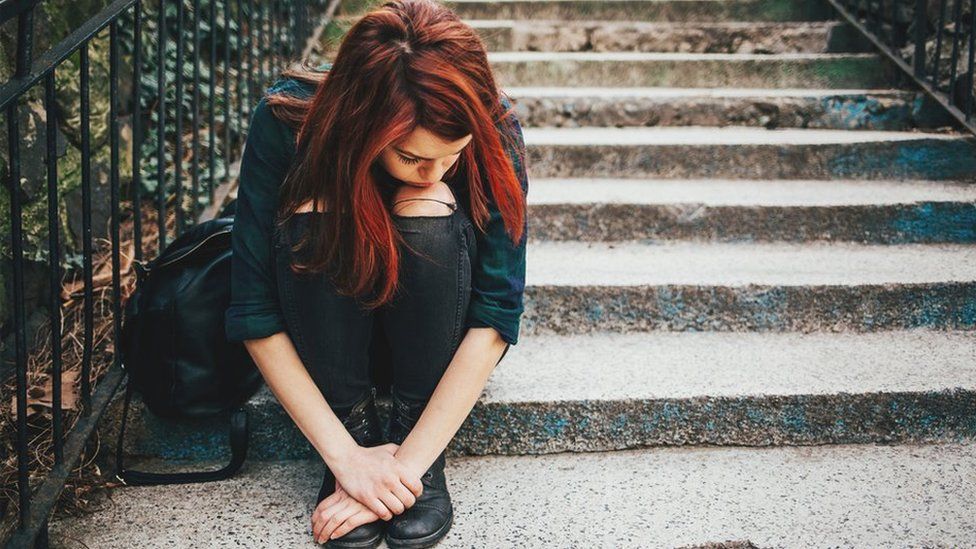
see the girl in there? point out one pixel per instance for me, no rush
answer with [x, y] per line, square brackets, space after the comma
[381, 215]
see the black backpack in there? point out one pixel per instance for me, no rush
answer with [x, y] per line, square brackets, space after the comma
[174, 348]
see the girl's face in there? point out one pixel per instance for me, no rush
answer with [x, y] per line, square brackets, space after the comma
[421, 158]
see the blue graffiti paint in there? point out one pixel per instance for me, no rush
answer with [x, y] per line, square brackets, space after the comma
[862, 112]
[953, 222]
[937, 159]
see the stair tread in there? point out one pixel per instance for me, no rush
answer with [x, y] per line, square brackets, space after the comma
[892, 496]
[745, 192]
[674, 92]
[721, 135]
[673, 365]
[555, 56]
[629, 263]
[605, 366]
[502, 23]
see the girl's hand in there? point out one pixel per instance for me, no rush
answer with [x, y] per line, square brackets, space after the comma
[375, 478]
[338, 514]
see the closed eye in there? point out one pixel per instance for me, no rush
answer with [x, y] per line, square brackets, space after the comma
[408, 160]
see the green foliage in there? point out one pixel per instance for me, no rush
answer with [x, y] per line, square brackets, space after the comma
[62, 16]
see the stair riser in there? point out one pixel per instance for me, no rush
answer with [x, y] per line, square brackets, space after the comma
[888, 112]
[926, 222]
[753, 308]
[933, 159]
[637, 10]
[667, 37]
[546, 427]
[832, 73]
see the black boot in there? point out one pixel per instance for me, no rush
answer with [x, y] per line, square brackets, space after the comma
[363, 423]
[429, 519]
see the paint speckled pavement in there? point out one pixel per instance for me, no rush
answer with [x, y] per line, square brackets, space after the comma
[816, 496]
[750, 311]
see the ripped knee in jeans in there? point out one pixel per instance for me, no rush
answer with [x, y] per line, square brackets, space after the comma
[435, 200]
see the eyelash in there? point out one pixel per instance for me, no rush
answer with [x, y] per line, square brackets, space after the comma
[407, 160]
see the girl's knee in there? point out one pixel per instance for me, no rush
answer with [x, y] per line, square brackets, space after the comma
[434, 200]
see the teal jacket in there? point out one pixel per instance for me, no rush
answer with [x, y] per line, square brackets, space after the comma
[497, 278]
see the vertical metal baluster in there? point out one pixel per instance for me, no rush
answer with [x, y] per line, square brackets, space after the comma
[137, 132]
[86, 226]
[252, 88]
[954, 56]
[938, 44]
[212, 104]
[262, 55]
[289, 18]
[113, 87]
[54, 262]
[161, 128]
[195, 165]
[273, 38]
[239, 77]
[227, 106]
[178, 135]
[25, 40]
[921, 28]
[968, 102]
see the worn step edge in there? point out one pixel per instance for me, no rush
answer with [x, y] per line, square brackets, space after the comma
[667, 10]
[614, 391]
[863, 109]
[886, 212]
[786, 70]
[748, 153]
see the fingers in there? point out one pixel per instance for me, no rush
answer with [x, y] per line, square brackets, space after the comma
[392, 503]
[379, 508]
[324, 516]
[364, 516]
[334, 522]
[410, 481]
[332, 499]
[404, 496]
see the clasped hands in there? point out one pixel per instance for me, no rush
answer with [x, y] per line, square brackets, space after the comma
[371, 484]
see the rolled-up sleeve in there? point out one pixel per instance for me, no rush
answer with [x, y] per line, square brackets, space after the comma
[498, 277]
[254, 310]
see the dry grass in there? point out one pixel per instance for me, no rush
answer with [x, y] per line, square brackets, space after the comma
[87, 479]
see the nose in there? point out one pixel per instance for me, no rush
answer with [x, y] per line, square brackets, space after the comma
[433, 173]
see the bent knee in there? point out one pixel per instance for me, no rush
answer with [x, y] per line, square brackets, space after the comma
[427, 201]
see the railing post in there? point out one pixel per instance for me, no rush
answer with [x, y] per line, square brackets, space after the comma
[921, 26]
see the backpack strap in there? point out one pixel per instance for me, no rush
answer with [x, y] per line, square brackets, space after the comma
[238, 448]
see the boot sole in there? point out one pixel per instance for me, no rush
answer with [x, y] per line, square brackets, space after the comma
[419, 543]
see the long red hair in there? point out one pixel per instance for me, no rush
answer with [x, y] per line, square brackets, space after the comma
[405, 64]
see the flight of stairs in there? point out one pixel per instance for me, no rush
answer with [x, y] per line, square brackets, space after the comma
[750, 314]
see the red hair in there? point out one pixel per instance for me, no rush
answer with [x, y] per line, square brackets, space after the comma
[405, 64]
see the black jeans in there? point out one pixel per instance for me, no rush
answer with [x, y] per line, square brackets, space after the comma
[423, 325]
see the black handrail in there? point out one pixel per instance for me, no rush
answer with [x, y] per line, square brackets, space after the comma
[267, 35]
[904, 34]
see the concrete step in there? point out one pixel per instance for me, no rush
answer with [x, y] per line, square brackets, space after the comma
[581, 287]
[854, 109]
[748, 153]
[644, 10]
[604, 391]
[699, 37]
[863, 496]
[629, 35]
[787, 70]
[883, 212]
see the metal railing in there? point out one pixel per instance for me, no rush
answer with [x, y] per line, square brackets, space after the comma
[914, 37]
[248, 42]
